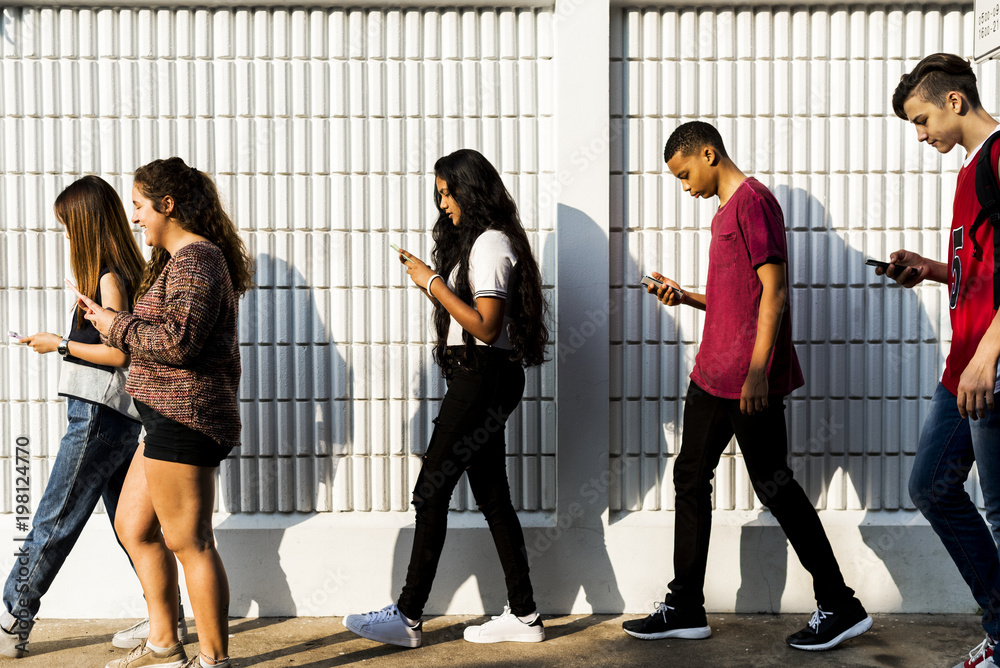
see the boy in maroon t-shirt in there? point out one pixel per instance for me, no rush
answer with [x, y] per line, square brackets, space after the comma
[746, 365]
[941, 99]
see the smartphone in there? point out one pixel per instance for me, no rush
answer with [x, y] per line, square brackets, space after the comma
[884, 265]
[649, 280]
[877, 263]
[14, 335]
[402, 258]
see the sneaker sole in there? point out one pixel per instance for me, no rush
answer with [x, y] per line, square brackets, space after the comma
[685, 634]
[852, 632]
[401, 642]
[173, 664]
[524, 638]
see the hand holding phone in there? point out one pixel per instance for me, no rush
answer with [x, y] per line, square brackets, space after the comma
[402, 258]
[649, 280]
[911, 272]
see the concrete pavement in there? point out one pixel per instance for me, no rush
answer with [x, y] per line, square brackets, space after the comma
[577, 641]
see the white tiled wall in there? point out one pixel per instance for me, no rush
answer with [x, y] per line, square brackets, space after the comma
[321, 127]
[802, 97]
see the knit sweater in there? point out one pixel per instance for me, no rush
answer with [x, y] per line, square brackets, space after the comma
[183, 341]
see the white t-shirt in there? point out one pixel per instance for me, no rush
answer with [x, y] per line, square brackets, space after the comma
[491, 263]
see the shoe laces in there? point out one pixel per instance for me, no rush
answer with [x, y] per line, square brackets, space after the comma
[385, 614]
[138, 650]
[135, 627]
[506, 613]
[818, 616]
[662, 608]
[982, 650]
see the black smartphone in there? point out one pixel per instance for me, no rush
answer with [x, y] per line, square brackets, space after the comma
[877, 263]
[649, 280]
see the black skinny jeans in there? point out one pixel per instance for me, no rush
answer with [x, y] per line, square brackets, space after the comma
[469, 438]
[709, 424]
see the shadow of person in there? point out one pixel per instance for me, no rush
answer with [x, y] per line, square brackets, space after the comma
[296, 417]
[469, 564]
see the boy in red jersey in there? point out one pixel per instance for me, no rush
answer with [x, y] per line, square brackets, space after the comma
[745, 367]
[941, 99]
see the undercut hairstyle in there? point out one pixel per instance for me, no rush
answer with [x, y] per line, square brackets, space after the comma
[692, 137]
[933, 78]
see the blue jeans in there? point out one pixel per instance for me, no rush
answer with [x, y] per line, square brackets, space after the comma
[949, 444]
[93, 458]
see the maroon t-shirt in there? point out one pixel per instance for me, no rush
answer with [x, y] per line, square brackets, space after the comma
[747, 232]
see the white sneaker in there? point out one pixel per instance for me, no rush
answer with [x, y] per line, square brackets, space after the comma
[386, 625]
[507, 628]
[11, 645]
[131, 637]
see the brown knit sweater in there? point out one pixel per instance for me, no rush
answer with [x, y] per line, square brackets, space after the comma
[183, 341]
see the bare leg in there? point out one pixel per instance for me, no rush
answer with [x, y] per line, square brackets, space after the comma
[139, 531]
[184, 498]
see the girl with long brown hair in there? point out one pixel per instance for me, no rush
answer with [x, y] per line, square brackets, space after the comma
[103, 426]
[185, 375]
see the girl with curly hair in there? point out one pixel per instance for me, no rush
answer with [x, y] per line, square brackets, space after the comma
[185, 375]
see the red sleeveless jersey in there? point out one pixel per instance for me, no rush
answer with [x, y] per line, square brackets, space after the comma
[970, 281]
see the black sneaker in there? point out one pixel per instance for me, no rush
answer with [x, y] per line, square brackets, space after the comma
[669, 622]
[827, 629]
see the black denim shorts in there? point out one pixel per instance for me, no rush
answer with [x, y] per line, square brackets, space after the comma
[170, 441]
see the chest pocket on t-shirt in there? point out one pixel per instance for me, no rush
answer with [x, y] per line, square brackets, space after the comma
[724, 254]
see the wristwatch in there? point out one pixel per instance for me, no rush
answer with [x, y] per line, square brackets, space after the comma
[63, 348]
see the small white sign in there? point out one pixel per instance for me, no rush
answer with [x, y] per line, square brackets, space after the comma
[986, 43]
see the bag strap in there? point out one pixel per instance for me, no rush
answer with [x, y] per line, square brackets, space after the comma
[988, 194]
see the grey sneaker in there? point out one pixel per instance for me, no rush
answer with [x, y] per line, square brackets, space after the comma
[135, 634]
[12, 646]
[142, 656]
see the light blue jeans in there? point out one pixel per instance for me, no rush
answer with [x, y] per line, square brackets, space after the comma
[93, 458]
[949, 444]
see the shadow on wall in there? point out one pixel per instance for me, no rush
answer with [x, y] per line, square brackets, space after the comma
[470, 553]
[5, 23]
[295, 422]
[858, 432]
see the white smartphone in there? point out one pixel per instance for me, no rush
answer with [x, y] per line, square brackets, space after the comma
[649, 280]
[402, 258]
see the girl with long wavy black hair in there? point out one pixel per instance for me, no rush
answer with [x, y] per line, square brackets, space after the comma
[489, 316]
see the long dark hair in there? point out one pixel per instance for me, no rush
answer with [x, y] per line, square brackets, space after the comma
[198, 209]
[486, 205]
[99, 237]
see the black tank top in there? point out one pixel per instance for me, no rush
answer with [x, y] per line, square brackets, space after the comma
[88, 333]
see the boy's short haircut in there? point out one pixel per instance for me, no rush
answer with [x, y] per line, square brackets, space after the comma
[691, 137]
[933, 78]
